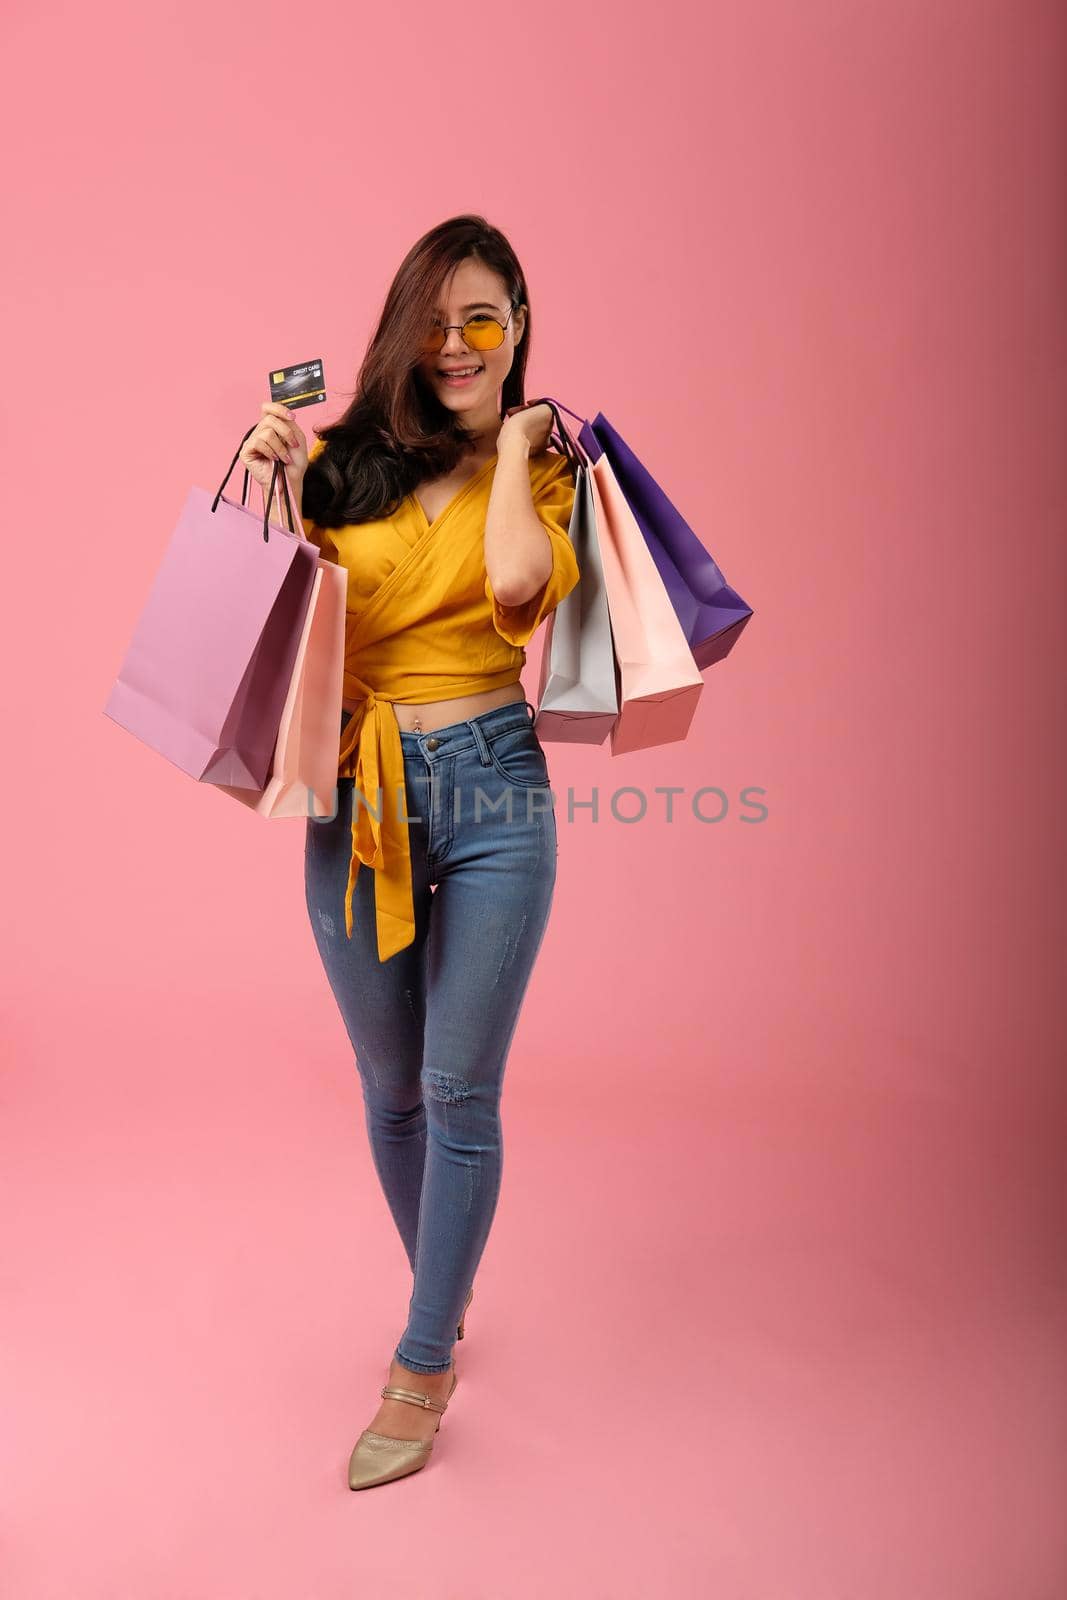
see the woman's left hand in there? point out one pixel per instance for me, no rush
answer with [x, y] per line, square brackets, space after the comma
[534, 424]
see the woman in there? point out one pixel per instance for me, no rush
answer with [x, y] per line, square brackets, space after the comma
[452, 525]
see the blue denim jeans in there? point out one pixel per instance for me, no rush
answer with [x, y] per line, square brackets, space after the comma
[431, 1026]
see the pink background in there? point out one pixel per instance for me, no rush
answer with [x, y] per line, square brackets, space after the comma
[773, 1306]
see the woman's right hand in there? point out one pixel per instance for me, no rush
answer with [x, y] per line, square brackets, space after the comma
[276, 437]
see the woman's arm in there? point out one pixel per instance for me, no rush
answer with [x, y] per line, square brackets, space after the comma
[518, 551]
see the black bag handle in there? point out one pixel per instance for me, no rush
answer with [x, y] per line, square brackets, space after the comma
[268, 499]
[561, 434]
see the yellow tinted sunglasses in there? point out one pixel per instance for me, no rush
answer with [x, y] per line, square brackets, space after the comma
[478, 333]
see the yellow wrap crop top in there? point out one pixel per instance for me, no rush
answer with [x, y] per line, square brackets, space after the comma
[423, 624]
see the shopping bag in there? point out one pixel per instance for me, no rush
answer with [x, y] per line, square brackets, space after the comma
[659, 682]
[210, 663]
[303, 776]
[577, 696]
[712, 614]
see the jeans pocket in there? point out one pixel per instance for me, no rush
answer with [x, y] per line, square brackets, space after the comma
[517, 755]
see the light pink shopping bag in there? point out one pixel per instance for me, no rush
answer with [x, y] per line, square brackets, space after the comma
[303, 775]
[659, 681]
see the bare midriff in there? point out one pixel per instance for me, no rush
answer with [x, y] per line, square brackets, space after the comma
[440, 713]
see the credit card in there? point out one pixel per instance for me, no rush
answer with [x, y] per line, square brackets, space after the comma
[302, 385]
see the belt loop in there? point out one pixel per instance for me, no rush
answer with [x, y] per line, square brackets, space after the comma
[479, 739]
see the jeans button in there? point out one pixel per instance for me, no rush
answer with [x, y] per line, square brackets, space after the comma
[431, 744]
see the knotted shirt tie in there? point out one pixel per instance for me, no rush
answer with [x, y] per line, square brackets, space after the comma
[372, 754]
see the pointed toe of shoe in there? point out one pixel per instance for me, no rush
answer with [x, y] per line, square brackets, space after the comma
[378, 1459]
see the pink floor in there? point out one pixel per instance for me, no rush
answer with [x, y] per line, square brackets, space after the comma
[765, 1342]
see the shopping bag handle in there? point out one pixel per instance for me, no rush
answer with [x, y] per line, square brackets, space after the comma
[268, 499]
[286, 492]
[570, 446]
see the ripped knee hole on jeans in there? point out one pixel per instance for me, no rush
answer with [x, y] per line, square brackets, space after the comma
[445, 1086]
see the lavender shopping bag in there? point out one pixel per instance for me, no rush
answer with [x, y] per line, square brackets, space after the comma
[209, 666]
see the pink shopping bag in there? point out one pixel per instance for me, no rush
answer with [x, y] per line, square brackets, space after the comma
[303, 775]
[659, 681]
[210, 663]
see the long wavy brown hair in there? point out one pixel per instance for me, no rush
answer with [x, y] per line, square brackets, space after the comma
[396, 434]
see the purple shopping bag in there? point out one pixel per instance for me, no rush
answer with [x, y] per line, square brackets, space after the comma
[712, 614]
[208, 668]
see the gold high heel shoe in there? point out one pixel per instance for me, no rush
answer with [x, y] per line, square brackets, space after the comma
[377, 1458]
[463, 1313]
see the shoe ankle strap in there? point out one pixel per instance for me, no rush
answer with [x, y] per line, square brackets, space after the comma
[413, 1398]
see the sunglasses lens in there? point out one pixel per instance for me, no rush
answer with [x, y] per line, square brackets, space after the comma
[483, 333]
